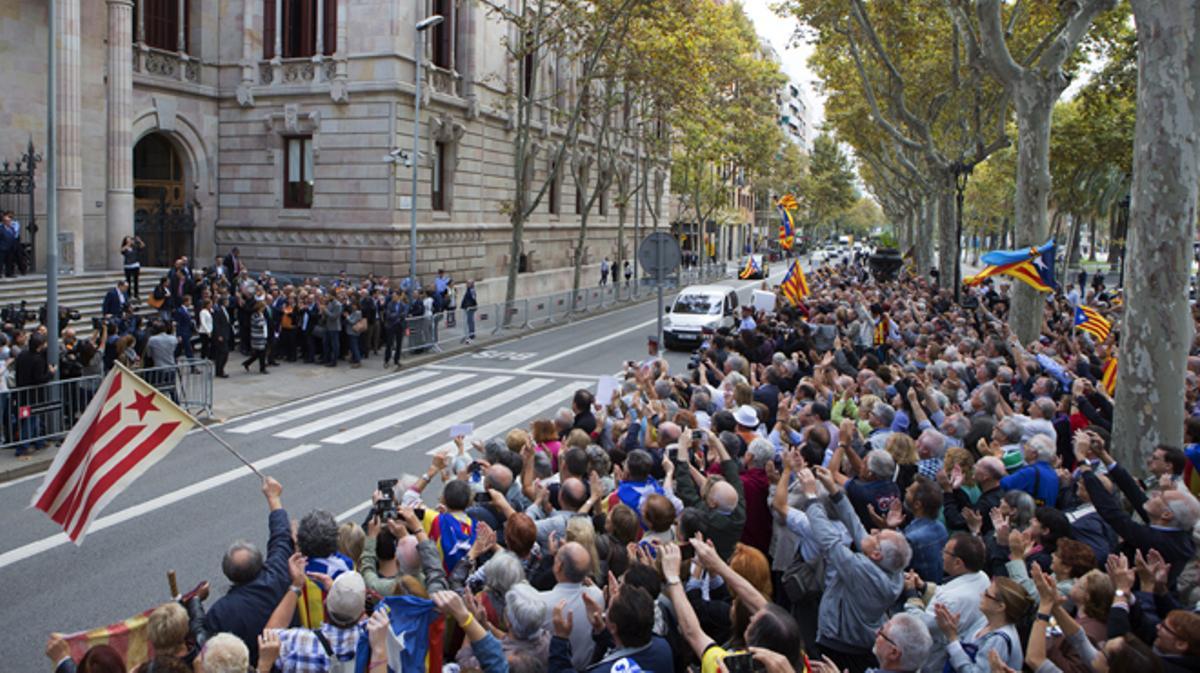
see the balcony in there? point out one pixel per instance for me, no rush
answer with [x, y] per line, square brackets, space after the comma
[443, 81]
[172, 65]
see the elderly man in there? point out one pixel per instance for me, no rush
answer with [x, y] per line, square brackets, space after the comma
[880, 419]
[902, 645]
[258, 586]
[1038, 478]
[721, 504]
[963, 560]
[874, 487]
[988, 472]
[1006, 443]
[1171, 515]
[931, 450]
[864, 584]
[572, 564]
[756, 486]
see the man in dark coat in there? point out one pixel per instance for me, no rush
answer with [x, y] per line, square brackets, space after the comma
[222, 334]
[31, 369]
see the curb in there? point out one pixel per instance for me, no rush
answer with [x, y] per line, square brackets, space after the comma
[42, 464]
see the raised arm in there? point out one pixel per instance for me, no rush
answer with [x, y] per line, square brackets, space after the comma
[689, 625]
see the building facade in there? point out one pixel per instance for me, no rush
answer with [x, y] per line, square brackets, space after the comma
[793, 115]
[268, 124]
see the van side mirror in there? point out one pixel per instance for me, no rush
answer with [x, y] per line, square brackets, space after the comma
[667, 308]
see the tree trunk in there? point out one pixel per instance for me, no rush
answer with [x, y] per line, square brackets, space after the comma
[1092, 247]
[947, 234]
[1074, 241]
[1157, 328]
[1035, 104]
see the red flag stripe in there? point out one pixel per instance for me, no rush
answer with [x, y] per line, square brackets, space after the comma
[63, 512]
[64, 477]
[81, 450]
[120, 470]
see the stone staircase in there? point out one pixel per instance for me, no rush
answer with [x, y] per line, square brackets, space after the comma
[83, 292]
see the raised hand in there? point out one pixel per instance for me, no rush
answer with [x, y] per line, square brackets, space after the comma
[1120, 572]
[947, 621]
[974, 520]
[564, 620]
[595, 613]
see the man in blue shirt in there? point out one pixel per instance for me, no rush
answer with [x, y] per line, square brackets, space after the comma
[1038, 478]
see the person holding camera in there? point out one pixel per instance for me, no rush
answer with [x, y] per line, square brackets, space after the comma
[131, 249]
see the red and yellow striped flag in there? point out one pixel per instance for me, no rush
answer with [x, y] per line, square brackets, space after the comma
[1109, 378]
[127, 637]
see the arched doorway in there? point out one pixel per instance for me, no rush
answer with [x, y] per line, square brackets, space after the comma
[162, 215]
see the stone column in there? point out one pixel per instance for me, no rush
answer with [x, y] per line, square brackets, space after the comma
[70, 149]
[119, 193]
[183, 25]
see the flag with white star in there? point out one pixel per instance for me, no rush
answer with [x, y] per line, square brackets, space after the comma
[127, 427]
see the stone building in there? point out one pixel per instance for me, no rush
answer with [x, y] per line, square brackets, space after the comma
[265, 124]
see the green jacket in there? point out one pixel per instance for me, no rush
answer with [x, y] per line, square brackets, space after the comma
[723, 529]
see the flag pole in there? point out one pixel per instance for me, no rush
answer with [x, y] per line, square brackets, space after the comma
[195, 421]
[227, 446]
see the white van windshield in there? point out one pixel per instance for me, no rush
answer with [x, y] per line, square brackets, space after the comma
[697, 304]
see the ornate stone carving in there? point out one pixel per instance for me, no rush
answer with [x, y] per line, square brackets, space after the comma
[328, 69]
[296, 73]
[232, 234]
[161, 64]
[266, 73]
[443, 81]
[191, 71]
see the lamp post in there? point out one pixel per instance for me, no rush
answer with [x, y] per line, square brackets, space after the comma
[637, 206]
[962, 172]
[418, 62]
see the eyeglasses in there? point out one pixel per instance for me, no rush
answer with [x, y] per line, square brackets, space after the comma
[1167, 627]
[883, 635]
[989, 595]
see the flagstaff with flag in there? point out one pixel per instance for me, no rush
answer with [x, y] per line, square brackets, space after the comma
[1091, 321]
[127, 427]
[1033, 266]
[794, 285]
[787, 224]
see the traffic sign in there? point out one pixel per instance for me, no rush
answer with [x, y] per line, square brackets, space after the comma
[659, 254]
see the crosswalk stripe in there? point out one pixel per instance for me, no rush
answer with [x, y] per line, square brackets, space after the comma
[326, 422]
[306, 411]
[435, 402]
[465, 414]
[527, 410]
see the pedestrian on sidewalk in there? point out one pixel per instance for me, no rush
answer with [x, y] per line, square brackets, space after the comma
[222, 335]
[258, 339]
[331, 324]
[185, 326]
[131, 252]
[604, 269]
[204, 328]
[628, 273]
[470, 304]
[395, 315]
[356, 326]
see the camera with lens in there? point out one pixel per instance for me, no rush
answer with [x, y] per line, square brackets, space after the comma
[17, 314]
[385, 508]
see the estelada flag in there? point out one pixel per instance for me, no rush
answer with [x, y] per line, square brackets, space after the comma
[127, 427]
[1108, 378]
[128, 637]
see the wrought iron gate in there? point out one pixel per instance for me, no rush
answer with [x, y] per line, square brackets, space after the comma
[17, 189]
[167, 232]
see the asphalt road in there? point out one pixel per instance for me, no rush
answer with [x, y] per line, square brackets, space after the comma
[327, 450]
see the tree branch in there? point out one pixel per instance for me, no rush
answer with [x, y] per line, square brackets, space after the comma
[1077, 26]
[993, 45]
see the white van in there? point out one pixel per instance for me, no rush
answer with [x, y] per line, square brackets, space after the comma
[695, 309]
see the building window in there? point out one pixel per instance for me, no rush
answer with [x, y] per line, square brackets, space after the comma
[437, 194]
[604, 202]
[298, 172]
[527, 67]
[443, 35]
[160, 23]
[300, 28]
[555, 188]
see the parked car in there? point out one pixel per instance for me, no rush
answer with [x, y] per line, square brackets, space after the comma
[696, 309]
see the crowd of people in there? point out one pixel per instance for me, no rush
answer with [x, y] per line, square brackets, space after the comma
[223, 310]
[876, 479]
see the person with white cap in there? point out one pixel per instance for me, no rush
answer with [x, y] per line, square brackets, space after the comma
[747, 421]
[335, 642]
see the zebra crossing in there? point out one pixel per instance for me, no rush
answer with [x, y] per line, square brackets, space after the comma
[416, 410]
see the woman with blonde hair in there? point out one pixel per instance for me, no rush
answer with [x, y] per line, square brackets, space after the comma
[904, 450]
[957, 456]
[351, 540]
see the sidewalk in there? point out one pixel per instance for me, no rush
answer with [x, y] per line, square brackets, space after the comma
[243, 393]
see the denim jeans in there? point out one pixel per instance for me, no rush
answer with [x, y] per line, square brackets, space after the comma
[333, 346]
[471, 323]
[355, 352]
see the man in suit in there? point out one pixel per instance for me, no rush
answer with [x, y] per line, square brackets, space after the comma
[222, 334]
[233, 263]
[115, 300]
[10, 244]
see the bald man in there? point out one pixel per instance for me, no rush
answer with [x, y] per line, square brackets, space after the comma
[571, 498]
[572, 564]
[723, 504]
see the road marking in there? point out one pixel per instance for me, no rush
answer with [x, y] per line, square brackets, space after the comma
[19, 480]
[442, 425]
[303, 410]
[154, 504]
[350, 414]
[502, 355]
[354, 510]
[609, 337]
[497, 370]
[435, 402]
[527, 410]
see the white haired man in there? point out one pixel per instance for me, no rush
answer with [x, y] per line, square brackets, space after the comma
[901, 645]
[864, 584]
[1038, 478]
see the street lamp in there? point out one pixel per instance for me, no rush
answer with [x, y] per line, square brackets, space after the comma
[418, 61]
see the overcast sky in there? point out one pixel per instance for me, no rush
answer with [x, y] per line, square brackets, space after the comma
[778, 31]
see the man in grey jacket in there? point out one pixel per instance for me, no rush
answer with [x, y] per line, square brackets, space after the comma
[865, 583]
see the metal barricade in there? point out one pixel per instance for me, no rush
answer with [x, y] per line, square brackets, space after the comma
[34, 415]
[541, 310]
[188, 383]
